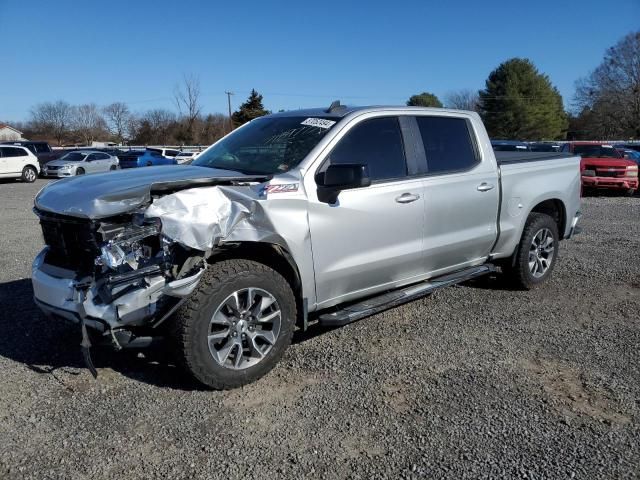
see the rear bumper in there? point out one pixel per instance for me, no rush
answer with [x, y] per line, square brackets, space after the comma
[574, 229]
[613, 183]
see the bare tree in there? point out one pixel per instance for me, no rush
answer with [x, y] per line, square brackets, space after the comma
[52, 118]
[117, 116]
[187, 100]
[465, 99]
[88, 123]
[611, 94]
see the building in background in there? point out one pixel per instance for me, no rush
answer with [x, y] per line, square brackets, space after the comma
[8, 133]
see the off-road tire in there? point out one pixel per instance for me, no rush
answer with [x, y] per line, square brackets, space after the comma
[29, 174]
[190, 325]
[517, 269]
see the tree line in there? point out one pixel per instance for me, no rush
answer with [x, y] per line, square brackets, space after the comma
[520, 102]
[517, 102]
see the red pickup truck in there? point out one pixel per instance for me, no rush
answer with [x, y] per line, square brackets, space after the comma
[602, 167]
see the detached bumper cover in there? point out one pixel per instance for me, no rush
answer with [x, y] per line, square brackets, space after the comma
[60, 296]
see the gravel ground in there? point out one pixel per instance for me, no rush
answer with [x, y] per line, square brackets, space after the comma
[474, 381]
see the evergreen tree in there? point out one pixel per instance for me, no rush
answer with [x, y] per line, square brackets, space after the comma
[424, 99]
[249, 110]
[520, 103]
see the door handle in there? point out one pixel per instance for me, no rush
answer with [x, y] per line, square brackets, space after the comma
[485, 187]
[407, 198]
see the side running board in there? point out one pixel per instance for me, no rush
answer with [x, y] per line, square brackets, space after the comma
[394, 298]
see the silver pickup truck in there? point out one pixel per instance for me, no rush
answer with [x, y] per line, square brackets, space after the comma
[322, 215]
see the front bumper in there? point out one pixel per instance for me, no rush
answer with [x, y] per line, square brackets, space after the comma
[58, 294]
[622, 183]
[57, 173]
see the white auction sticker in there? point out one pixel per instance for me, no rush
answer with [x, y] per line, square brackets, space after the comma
[319, 122]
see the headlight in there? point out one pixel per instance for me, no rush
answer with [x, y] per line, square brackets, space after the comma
[632, 171]
[65, 167]
[111, 256]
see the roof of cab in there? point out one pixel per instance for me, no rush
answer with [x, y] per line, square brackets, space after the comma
[344, 110]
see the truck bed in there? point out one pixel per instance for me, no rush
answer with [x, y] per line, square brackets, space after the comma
[519, 157]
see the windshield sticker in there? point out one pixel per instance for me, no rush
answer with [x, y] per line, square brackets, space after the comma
[283, 188]
[319, 122]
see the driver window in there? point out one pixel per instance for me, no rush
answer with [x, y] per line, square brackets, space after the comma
[376, 143]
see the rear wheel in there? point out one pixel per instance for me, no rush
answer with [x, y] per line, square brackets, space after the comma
[237, 324]
[29, 174]
[80, 171]
[536, 254]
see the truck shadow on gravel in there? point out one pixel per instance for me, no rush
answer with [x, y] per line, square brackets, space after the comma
[51, 347]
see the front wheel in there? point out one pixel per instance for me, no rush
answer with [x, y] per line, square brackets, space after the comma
[237, 324]
[80, 171]
[536, 254]
[29, 174]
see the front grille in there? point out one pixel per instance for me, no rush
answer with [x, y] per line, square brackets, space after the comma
[606, 171]
[73, 243]
[52, 167]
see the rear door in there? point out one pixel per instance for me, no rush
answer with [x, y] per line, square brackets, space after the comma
[14, 159]
[461, 195]
[371, 238]
[3, 162]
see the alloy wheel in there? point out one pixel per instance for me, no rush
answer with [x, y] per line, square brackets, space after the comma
[541, 252]
[244, 328]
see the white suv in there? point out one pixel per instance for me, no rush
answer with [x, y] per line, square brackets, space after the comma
[18, 162]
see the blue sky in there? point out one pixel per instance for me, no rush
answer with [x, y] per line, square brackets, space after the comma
[298, 54]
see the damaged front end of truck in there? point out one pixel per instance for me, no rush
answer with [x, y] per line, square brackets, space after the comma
[124, 262]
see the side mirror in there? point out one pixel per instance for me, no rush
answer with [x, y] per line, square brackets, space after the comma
[341, 177]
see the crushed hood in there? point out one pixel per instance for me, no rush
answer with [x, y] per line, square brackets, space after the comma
[113, 193]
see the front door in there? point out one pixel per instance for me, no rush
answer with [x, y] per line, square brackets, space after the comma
[371, 238]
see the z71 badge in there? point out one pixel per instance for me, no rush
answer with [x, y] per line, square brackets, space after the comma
[283, 188]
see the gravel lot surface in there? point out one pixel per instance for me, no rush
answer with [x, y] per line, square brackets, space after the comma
[475, 381]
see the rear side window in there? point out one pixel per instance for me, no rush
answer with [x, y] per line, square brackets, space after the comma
[376, 143]
[41, 147]
[171, 153]
[13, 152]
[102, 156]
[447, 143]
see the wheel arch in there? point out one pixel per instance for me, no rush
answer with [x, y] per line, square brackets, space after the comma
[556, 209]
[273, 256]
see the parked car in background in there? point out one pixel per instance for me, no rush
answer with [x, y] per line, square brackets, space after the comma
[509, 146]
[544, 147]
[80, 162]
[145, 158]
[42, 150]
[628, 146]
[18, 162]
[184, 157]
[603, 167]
[165, 152]
[629, 154]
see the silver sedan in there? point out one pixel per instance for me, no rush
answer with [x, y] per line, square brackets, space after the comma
[80, 162]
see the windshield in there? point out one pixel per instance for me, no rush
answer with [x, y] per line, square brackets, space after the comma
[267, 145]
[596, 151]
[73, 157]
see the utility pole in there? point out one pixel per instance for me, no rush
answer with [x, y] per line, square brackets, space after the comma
[229, 102]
